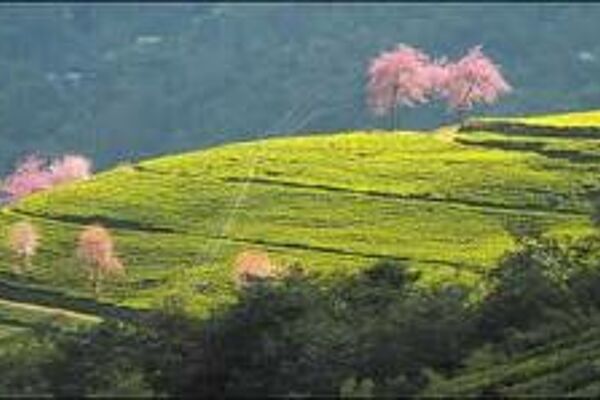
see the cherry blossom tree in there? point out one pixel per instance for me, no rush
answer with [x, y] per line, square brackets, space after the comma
[471, 80]
[399, 77]
[406, 76]
[70, 168]
[23, 240]
[96, 250]
[30, 176]
[35, 174]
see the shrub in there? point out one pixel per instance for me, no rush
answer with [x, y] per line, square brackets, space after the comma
[251, 266]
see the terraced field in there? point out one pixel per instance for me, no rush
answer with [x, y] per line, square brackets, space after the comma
[335, 203]
[569, 366]
[578, 119]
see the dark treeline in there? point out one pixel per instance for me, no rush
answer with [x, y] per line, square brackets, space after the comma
[120, 82]
[378, 333]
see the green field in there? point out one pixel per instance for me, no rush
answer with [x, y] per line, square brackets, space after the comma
[335, 203]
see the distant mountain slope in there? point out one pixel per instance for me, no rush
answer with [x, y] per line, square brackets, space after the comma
[124, 82]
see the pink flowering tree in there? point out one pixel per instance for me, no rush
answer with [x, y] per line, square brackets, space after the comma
[399, 77]
[408, 77]
[96, 250]
[30, 176]
[23, 240]
[35, 174]
[70, 168]
[471, 80]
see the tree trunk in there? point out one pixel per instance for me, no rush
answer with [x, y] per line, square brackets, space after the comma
[461, 114]
[17, 268]
[27, 263]
[97, 287]
[95, 278]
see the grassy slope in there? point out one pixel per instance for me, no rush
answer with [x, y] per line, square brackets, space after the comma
[334, 203]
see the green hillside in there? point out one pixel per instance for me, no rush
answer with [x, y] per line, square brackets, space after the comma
[445, 202]
[569, 366]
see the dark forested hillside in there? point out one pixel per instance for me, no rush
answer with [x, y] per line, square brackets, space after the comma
[120, 82]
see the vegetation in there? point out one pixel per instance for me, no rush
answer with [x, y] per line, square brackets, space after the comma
[446, 206]
[96, 251]
[464, 261]
[407, 76]
[251, 265]
[376, 333]
[76, 78]
[438, 272]
[23, 241]
[35, 174]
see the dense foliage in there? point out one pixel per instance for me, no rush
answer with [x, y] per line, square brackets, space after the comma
[376, 333]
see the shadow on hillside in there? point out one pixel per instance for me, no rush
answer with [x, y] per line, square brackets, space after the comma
[49, 298]
[521, 129]
[573, 156]
[109, 222]
[375, 333]
[409, 197]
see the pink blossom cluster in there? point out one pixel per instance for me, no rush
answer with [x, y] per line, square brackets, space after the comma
[473, 79]
[35, 174]
[407, 76]
[399, 77]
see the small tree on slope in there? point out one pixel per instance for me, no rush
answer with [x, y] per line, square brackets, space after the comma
[23, 240]
[96, 250]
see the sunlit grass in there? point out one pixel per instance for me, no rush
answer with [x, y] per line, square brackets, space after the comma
[334, 203]
[573, 119]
